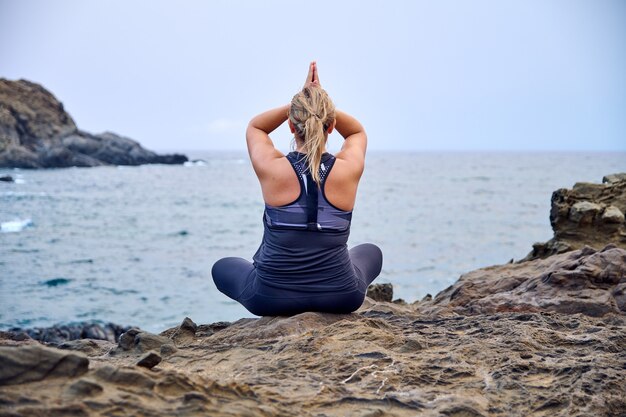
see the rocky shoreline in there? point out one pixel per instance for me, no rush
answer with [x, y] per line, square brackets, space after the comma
[37, 132]
[541, 337]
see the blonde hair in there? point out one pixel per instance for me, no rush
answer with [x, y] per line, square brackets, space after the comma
[312, 112]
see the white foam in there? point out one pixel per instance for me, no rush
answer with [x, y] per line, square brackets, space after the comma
[198, 163]
[14, 226]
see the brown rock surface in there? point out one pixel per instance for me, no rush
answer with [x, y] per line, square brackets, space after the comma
[37, 132]
[383, 360]
[584, 281]
[587, 215]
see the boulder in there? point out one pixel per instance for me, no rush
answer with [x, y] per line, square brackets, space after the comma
[613, 215]
[380, 292]
[584, 212]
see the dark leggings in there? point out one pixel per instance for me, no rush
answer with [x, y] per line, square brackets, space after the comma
[236, 277]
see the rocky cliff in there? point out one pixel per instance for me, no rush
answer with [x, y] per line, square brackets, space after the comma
[588, 214]
[544, 337]
[37, 132]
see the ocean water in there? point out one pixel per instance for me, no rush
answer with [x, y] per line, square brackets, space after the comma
[135, 245]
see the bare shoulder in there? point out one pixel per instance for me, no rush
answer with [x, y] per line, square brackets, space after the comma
[342, 183]
[279, 183]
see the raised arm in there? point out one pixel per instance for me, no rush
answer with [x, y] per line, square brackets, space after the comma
[355, 143]
[260, 147]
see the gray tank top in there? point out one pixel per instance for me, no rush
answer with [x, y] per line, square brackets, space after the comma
[304, 247]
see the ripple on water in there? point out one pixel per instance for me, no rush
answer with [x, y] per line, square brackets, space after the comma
[55, 282]
[80, 261]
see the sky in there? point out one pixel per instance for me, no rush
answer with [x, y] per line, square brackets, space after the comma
[528, 75]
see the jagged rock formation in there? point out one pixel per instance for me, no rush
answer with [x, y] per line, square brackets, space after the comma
[37, 132]
[587, 215]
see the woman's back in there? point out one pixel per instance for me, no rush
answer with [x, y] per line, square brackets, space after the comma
[303, 262]
[304, 245]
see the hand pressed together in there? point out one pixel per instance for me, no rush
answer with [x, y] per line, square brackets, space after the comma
[312, 78]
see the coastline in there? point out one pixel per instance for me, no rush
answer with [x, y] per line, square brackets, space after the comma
[543, 336]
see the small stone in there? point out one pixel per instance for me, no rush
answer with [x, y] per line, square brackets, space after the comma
[380, 292]
[186, 332]
[145, 341]
[168, 349]
[149, 360]
[188, 325]
[127, 339]
[6, 178]
[84, 388]
[613, 215]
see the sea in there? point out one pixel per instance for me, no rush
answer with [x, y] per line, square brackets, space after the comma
[135, 245]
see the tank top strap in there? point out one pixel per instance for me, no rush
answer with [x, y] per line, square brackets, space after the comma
[310, 192]
[300, 166]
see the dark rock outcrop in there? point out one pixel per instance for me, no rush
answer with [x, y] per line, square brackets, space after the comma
[37, 132]
[58, 334]
[587, 215]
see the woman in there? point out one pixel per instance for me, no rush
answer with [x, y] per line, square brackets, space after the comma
[303, 263]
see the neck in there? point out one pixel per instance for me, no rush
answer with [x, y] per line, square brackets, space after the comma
[300, 147]
[301, 150]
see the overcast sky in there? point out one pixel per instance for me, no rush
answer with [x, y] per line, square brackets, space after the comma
[420, 75]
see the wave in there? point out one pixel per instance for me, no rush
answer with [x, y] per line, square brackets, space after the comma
[14, 226]
[196, 163]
